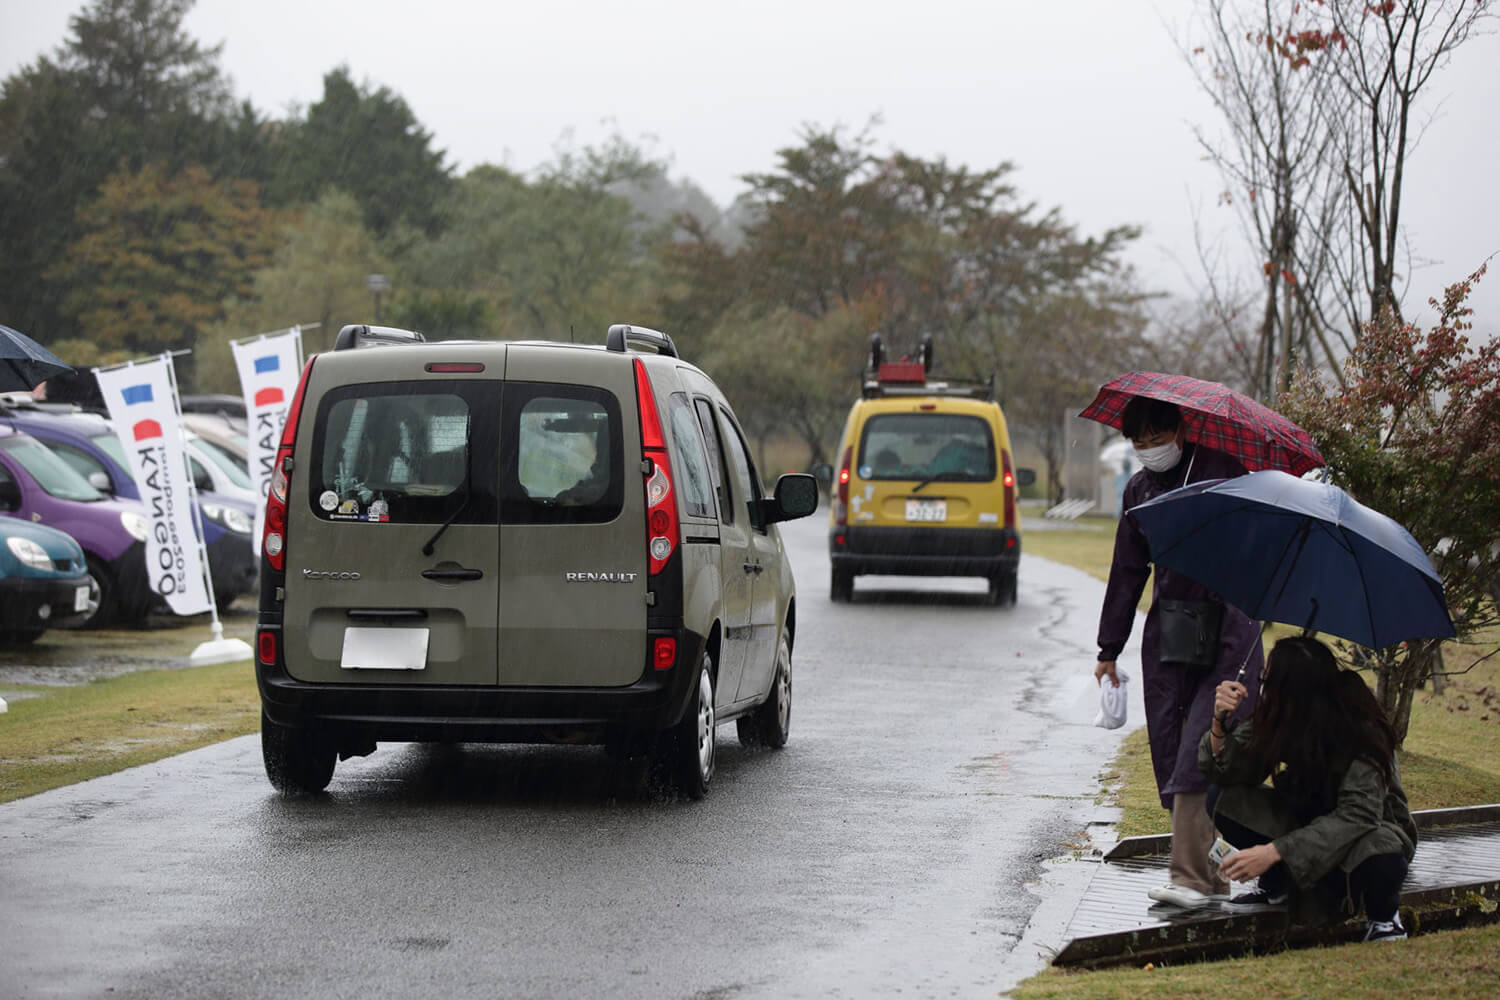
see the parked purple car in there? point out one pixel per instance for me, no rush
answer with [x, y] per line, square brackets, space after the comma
[37, 486]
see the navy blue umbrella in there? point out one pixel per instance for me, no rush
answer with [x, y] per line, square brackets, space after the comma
[1302, 553]
[24, 363]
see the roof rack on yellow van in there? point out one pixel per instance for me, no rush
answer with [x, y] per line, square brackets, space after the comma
[622, 336]
[907, 377]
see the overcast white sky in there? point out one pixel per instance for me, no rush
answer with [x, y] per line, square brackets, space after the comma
[1088, 98]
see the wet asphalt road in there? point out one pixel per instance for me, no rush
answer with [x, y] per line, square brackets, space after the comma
[911, 840]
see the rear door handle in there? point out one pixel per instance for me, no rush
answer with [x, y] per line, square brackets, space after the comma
[453, 574]
[755, 568]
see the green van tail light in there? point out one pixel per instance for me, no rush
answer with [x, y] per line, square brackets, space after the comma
[662, 531]
[664, 653]
[273, 540]
[265, 647]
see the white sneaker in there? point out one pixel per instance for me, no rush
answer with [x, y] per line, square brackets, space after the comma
[1181, 895]
[1385, 930]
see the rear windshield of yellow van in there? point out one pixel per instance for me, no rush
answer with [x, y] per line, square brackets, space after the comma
[947, 446]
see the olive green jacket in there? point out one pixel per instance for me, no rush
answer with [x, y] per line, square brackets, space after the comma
[1370, 818]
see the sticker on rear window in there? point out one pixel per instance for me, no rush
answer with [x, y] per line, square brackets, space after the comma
[329, 500]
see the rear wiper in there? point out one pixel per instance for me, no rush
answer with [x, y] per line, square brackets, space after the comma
[950, 474]
[427, 549]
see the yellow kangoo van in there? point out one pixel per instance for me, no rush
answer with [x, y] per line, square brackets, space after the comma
[926, 483]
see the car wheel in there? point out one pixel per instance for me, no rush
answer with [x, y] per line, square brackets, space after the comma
[297, 762]
[100, 610]
[1002, 591]
[770, 724]
[841, 586]
[687, 751]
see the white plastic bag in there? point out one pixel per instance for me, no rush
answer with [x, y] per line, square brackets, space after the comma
[1112, 701]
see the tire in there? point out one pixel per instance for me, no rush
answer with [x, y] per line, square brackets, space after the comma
[1003, 590]
[770, 724]
[102, 602]
[686, 755]
[297, 762]
[841, 586]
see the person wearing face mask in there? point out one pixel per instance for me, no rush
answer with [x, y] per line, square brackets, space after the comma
[1192, 640]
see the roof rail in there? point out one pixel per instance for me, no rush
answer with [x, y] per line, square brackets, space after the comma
[357, 336]
[622, 336]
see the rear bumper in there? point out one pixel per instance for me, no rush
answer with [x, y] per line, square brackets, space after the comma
[907, 551]
[32, 604]
[627, 716]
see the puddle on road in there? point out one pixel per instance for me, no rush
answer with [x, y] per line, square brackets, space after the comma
[64, 657]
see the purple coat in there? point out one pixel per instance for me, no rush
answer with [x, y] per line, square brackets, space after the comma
[1179, 700]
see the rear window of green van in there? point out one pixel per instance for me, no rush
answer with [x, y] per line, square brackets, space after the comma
[561, 454]
[400, 454]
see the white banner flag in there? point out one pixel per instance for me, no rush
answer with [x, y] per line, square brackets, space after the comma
[269, 368]
[142, 402]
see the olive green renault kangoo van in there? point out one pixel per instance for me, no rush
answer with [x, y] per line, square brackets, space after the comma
[520, 542]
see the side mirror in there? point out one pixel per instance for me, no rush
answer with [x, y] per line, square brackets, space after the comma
[1025, 477]
[796, 495]
[100, 481]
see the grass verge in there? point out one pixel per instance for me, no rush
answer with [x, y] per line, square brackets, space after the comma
[1432, 967]
[54, 736]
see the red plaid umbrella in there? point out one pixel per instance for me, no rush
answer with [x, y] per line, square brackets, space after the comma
[1216, 416]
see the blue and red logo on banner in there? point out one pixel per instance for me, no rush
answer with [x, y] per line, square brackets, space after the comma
[271, 394]
[133, 395]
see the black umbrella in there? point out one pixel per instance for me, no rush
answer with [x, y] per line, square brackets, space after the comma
[24, 363]
[1304, 553]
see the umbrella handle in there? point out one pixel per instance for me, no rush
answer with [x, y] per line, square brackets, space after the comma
[1239, 678]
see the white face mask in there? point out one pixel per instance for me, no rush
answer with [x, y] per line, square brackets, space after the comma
[1162, 457]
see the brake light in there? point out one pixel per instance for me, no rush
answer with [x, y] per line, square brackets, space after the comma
[841, 503]
[1008, 476]
[265, 647]
[664, 653]
[273, 541]
[662, 532]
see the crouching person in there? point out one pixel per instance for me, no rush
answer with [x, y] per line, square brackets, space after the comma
[1331, 833]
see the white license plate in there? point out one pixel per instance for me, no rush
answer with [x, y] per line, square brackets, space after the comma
[81, 598]
[927, 510]
[384, 648]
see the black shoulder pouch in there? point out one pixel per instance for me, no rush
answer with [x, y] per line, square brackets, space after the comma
[1189, 632]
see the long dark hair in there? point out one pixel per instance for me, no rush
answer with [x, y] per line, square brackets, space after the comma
[1316, 720]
